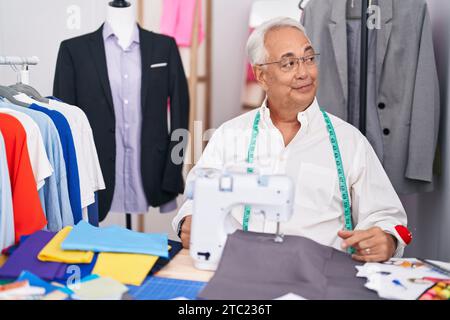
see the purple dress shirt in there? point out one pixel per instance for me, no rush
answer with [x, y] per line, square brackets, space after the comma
[125, 76]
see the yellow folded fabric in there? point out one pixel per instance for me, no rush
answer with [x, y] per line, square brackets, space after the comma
[2, 260]
[131, 269]
[52, 252]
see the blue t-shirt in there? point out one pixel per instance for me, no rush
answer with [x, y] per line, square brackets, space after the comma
[70, 157]
[6, 206]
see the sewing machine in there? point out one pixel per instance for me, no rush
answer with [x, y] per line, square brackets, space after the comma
[216, 193]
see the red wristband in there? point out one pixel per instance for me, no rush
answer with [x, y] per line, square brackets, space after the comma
[404, 233]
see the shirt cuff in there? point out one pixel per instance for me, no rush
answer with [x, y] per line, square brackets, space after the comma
[185, 210]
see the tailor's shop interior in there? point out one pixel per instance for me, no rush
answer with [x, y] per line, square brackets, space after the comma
[193, 149]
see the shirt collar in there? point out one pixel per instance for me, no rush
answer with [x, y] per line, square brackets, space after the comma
[109, 32]
[304, 117]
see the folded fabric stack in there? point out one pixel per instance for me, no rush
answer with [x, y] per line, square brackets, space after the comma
[405, 279]
[30, 287]
[113, 253]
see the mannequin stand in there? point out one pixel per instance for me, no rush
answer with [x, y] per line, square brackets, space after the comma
[129, 224]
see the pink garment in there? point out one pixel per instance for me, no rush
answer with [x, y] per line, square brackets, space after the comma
[250, 73]
[178, 21]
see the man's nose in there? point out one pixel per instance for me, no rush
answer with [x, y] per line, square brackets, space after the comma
[301, 72]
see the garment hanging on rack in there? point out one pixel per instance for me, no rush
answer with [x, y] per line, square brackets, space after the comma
[28, 214]
[178, 21]
[79, 120]
[90, 175]
[54, 195]
[70, 158]
[373, 127]
[6, 206]
[40, 164]
[406, 85]
[40, 154]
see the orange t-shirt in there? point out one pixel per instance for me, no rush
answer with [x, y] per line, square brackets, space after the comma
[28, 214]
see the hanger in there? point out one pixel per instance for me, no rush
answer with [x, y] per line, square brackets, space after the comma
[9, 94]
[300, 5]
[29, 91]
[120, 4]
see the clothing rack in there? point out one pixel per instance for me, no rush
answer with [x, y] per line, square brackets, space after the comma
[23, 75]
[364, 65]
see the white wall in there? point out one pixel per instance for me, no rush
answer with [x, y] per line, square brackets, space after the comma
[30, 28]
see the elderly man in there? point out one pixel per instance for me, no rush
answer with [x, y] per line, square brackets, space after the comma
[343, 197]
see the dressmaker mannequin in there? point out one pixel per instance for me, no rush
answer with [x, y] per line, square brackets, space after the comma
[121, 16]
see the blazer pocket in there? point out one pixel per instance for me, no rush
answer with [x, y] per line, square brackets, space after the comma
[158, 65]
[315, 187]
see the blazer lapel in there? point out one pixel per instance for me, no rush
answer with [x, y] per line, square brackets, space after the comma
[97, 46]
[146, 45]
[384, 35]
[338, 32]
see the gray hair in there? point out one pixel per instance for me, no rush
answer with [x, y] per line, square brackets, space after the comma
[256, 49]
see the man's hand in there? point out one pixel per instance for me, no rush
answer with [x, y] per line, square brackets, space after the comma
[372, 245]
[186, 232]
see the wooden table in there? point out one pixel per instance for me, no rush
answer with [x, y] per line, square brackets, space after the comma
[182, 267]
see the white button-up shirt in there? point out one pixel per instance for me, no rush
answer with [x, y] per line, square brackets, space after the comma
[308, 159]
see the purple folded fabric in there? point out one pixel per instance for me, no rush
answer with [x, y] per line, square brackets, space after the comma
[25, 259]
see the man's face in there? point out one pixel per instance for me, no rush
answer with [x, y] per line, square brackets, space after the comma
[290, 88]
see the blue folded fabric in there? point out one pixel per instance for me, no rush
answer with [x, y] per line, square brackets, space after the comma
[35, 281]
[85, 237]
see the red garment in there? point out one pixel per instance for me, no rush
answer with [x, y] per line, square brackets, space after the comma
[28, 214]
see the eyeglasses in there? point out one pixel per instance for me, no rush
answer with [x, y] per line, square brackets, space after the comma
[288, 64]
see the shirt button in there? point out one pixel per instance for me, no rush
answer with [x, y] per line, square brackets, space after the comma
[381, 106]
[386, 132]
[125, 76]
[126, 101]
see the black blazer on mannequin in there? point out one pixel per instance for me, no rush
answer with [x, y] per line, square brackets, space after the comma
[81, 79]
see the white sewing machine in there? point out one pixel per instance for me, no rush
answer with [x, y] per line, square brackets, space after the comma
[215, 193]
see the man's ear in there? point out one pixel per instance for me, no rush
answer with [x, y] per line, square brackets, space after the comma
[260, 76]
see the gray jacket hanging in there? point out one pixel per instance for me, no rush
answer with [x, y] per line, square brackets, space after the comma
[403, 103]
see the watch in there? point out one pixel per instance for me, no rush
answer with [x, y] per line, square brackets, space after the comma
[180, 225]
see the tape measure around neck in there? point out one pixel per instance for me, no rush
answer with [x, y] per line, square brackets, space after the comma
[341, 173]
[250, 159]
[339, 166]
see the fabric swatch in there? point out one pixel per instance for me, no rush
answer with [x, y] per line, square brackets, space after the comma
[131, 269]
[25, 258]
[52, 252]
[85, 237]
